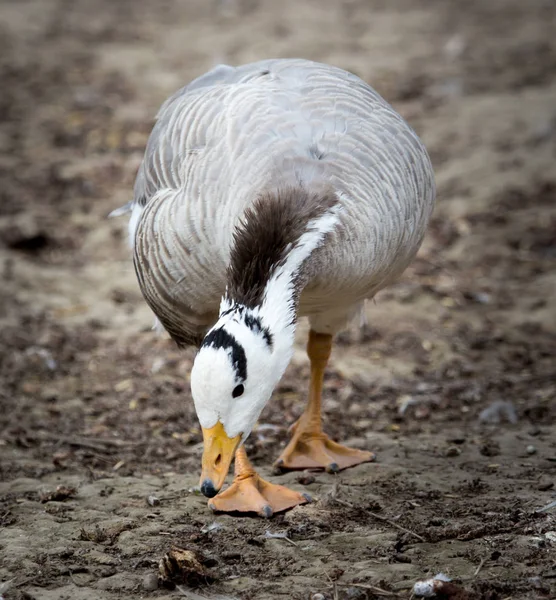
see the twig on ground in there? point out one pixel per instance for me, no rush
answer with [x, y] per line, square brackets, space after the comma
[91, 443]
[72, 579]
[333, 584]
[96, 456]
[478, 569]
[380, 518]
[343, 503]
[371, 588]
[279, 535]
[547, 507]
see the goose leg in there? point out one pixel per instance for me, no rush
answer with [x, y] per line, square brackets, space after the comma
[251, 493]
[309, 447]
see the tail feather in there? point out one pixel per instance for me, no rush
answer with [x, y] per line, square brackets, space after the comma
[118, 212]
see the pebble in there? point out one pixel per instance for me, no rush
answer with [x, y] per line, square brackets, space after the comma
[318, 597]
[153, 501]
[550, 536]
[453, 451]
[531, 449]
[150, 582]
[305, 479]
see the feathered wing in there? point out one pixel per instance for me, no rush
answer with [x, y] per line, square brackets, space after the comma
[160, 182]
[235, 133]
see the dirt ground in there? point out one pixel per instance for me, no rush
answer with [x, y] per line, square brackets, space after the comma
[452, 383]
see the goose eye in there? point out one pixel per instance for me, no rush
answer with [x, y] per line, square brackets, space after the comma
[238, 390]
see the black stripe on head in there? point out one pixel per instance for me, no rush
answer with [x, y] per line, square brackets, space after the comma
[235, 308]
[220, 338]
[255, 325]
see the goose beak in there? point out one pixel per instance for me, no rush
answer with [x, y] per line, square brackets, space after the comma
[219, 449]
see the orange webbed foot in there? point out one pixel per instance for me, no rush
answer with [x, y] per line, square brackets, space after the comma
[314, 450]
[252, 494]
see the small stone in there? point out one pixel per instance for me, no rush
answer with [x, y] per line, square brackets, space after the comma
[544, 486]
[61, 493]
[551, 536]
[490, 448]
[531, 449]
[537, 542]
[124, 385]
[305, 479]
[153, 501]
[150, 582]
[401, 558]
[318, 596]
[183, 566]
[453, 451]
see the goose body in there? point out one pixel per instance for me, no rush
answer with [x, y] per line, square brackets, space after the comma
[234, 133]
[270, 191]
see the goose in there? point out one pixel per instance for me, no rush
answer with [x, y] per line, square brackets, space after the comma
[269, 192]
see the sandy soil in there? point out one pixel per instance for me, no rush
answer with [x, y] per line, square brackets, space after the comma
[452, 383]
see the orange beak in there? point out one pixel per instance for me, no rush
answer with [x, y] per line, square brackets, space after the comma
[218, 452]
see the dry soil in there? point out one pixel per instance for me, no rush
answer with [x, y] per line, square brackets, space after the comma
[452, 383]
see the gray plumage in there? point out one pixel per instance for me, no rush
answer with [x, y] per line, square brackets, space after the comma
[236, 133]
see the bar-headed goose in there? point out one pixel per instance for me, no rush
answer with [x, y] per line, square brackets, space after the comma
[268, 192]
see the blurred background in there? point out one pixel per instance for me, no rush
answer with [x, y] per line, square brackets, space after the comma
[457, 361]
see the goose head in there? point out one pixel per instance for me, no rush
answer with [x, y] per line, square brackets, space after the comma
[233, 376]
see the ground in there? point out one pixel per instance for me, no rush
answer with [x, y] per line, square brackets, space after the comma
[452, 382]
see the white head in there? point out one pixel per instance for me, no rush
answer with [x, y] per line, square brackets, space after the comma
[234, 374]
[236, 370]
